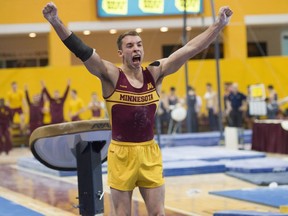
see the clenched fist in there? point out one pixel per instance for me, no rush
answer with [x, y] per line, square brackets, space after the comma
[224, 16]
[50, 12]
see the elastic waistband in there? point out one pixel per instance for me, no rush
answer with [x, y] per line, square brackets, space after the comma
[150, 142]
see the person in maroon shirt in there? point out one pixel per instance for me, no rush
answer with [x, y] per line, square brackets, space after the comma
[95, 106]
[35, 110]
[129, 149]
[5, 121]
[56, 103]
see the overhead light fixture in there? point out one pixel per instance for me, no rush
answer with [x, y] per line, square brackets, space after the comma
[164, 29]
[188, 28]
[139, 30]
[86, 32]
[32, 35]
[113, 31]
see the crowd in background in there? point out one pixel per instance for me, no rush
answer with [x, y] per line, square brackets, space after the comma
[235, 111]
[46, 108]
[43, 108]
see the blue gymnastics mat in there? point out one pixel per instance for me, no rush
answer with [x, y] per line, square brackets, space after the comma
[198, 139]
[9, 208]
[206, 153]
[257, 165]
[274, 197]
[190, 139]
[178, 168]
[262, 179]
[247, 213]
[33, 164]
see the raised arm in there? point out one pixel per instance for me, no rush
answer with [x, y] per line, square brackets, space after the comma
[178, 58]
[45, 91]
[67, 90]
[88, 56]
[27, 95]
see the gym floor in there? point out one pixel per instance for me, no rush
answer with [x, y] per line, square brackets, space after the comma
[51, 195]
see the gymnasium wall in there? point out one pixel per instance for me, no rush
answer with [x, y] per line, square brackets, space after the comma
[250, 71]
[267, 70]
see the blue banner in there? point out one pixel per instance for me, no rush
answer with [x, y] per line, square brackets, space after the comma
[124, 8]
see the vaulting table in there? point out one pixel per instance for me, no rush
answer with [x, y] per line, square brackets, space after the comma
[81, 146]
[270, 136]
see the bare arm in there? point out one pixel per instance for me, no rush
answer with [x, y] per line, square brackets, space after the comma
[102, 69]
[178, 58]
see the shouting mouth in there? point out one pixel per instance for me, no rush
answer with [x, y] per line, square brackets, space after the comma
[136, 58]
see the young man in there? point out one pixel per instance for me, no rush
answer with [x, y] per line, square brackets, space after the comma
[212, 107]
[35, 110]
[56, 103]
[5, 122]
[236, 105]
[75, 106]
[131, 94]
[15, 99]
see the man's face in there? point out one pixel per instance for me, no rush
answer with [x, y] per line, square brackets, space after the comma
[132, 51]
[14, 86]
[208, 87]
[56, 94]
[234, 88]
[94, 97]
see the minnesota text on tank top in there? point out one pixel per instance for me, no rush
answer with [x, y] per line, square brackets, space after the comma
[132, 110]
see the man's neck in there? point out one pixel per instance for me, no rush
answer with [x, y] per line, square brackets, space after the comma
[131, 72]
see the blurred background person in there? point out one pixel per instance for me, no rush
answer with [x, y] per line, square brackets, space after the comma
[194, 103]
[16, 102]
[163, 111]
[5, 122]
[236, 105]
[272, 103]
[76, 106]
[35, 110]
[46, 110]
[57, 103]
[95, 106]
[212, 107]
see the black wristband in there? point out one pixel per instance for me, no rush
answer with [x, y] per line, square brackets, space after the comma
[80, 49]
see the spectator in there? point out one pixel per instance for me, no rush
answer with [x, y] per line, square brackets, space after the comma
[46, 110]
[194, 104]
[95, 106]
[76, 106]
[227, 91]
[5, 121]
[35, 110]
[172, 97]
[15, 101]
[212, 107]
[163, 111]
[57, 103]
[236, 105]
[272, 103]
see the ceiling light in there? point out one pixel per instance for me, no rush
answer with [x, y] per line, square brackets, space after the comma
[138, 30]
[164, 29]
[86, 32]
[32, 35]
[188, 28]
[113, 31]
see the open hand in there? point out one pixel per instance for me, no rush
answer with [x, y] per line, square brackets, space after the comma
[50, 11]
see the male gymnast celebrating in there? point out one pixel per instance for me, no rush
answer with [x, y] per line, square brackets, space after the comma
[131, 94]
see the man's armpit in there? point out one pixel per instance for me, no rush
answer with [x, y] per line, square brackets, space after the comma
[155, 64]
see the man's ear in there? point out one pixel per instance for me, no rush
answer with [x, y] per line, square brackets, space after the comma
[120, 53]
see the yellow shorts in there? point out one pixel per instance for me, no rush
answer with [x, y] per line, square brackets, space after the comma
[133, 165]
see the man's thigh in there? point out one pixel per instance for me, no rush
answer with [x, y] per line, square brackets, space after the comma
[121, 202]
[154, 199]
